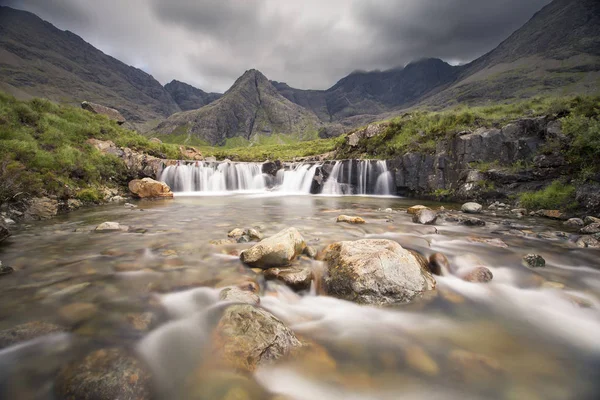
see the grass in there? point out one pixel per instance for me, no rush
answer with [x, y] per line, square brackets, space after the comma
[556, 196]
[43, 150]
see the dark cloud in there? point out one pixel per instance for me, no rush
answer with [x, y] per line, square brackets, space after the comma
[308, 44]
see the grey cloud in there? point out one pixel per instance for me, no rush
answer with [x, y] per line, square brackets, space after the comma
[308, 44]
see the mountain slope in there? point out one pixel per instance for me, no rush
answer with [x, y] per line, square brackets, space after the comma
[188, 97]
[556, 52]
[373, 92]
[38, 59]
[252, 106]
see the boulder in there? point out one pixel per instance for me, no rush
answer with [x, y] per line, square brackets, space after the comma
[111, 227]
[247, 337]
[27, 331]
[190, 153]
[415, 209]
[471, 208]
[591, 220]
[237, 295]
[148, 188]
[41, 208]
[591, 228]
[588, 242]
[425, 217]
[374, 271]
[350, 220]
[297, 278]
[534, 261]
[236, 233]
[478, 275]
[110, 373]
[574, 222]
[464, 220]
[111, 113]
[278, 250]
[439, 264]
[4, 232]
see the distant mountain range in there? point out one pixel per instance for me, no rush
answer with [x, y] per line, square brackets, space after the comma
[557, 52]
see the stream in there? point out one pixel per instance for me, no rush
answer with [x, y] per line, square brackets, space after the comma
[527, 334]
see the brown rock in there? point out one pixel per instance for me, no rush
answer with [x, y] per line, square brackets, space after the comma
[350, 220]
[479, 275]
[148, 188]
[420, 361]
[439, 264]
[111, 113]
[473, 369]
[414, 209]
[552, 214]
[190, 153]
[276, 251]
[297, 278]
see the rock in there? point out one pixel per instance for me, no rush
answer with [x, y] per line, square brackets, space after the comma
[74, 204]
[297, 278]
[111, 226]
[591, 228]
[190, 153]
[5, 270]
[551, 214]
[117, 199]
[425, 217]
[574, 222]
[534, 261]
[237, 295]
[374, 271]
[28, 331]
[350, 220]
[471, 208]
[77, 312]
[148, 188]
[218, 384]
[110, 373]
[276, 251]
[310, 252]
[4, 231]
[415, 209]
[464, 220]
[222, 242]
[388, 210]
[420, 361]
[41, 208]
[591, 220]
[236, 233]
[247, 337]
[588, 242]
[492, 242]
[473, 369]
[478, 275]
[111, 113]
[254, 234]
[439, 264]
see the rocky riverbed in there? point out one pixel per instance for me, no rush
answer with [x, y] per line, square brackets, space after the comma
[300, 297]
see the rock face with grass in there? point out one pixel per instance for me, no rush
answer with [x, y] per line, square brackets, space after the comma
[278, 250]
[148, 188]
[111, 113]
[251, 107]
[374, 271]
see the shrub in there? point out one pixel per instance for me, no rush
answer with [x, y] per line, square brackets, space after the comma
[555, 196]
[89, 195]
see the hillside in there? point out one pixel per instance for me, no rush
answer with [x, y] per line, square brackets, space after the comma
[188, 97]
[38, 59]
[556, 52]
[251, 107]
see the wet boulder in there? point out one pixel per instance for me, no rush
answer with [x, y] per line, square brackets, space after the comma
[439, 264]
[350, 220]
[534, 261]
[110, 373]
[574, 222]
[471, 208]
[247, 337]
[414, 209]
[478, 275]
[591, 228]
[374, 271]
[591, 220]
[278, 250]
[237, 295]
[425, 217]
[297, 278]
[148, 188]
[111, 227]
[4, 232]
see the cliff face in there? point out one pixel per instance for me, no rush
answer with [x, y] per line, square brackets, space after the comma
[188, 97]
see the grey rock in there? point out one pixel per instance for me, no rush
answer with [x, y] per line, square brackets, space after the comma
[297, 278]
[374, 271]
[310, 252]
[534, 261]
[591, 228]
[425, 217]
[591, 220]
[478, 275]
[471, 208]
[591, 242]
[278, 250]
[111, 227]
[574, 222]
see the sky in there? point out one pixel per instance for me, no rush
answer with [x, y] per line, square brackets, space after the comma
[309, 44]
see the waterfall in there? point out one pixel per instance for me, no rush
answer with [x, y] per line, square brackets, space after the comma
[348, 177]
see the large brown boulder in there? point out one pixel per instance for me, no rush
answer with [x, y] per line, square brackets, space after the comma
[374, 271]
[111, 113]
[148, 188]
[278, 250]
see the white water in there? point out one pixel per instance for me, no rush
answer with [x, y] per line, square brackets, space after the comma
[347, 177]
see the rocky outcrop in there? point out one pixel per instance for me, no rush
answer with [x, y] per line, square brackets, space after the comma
[278, 250]
[148, 188]
[139, 165]
[111, 113]
[41, 208]
[374, 271]
[368, 132]
[188, 97]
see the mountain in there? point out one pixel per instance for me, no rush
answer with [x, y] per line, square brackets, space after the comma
[556, 52]
[252, 106]
[373, 92]
[38, 59]
[188, 97]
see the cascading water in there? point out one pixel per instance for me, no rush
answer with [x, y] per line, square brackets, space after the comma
[361, 177]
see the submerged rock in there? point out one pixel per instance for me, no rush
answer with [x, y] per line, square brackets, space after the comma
[350, 220]
[471, 208]
[425, 217]
[278, 250]
[478, 275]
[247, 337]
[534, 261]
[28, 331]
[374, 271]
[148, 188]
[105, 374]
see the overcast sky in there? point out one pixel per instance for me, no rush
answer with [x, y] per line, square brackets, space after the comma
[309, 44]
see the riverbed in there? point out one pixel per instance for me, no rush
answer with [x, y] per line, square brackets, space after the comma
[527, 334]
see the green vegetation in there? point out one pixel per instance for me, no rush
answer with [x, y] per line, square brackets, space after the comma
[43, 150]
[555, 196]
